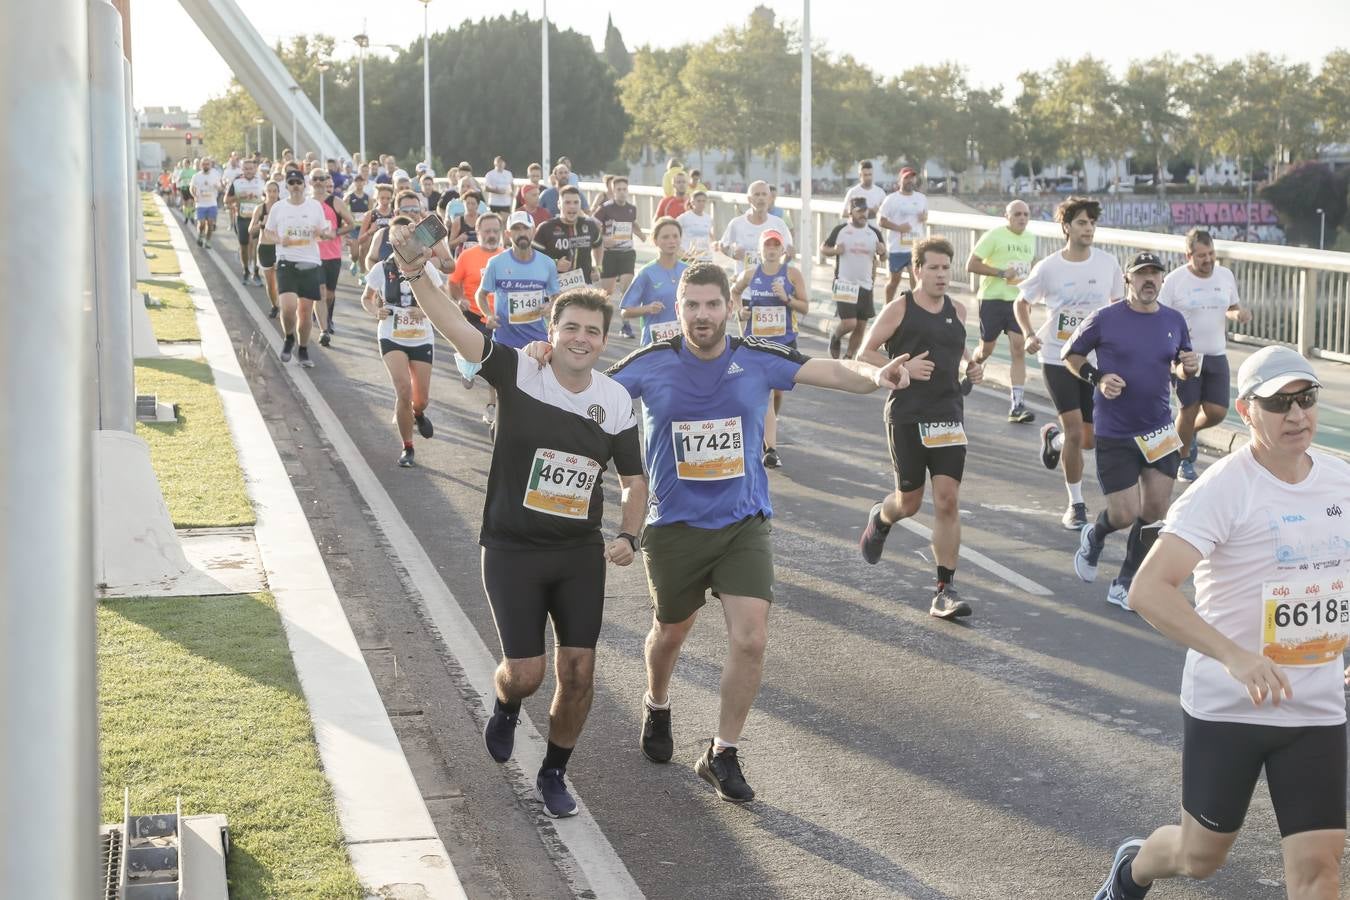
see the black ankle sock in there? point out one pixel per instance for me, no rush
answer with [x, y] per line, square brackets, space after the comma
[508, 706]
[945, 575]
[556, 757]
[1134, 552]
[1125, 881]
[1102, 527]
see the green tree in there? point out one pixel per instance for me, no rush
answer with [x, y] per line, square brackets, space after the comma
[1300, 193]
[654, 97]
[1333, 96]
[616, 53]
[940, 94]
[1150, 107]
[846, 97]
[1039, 135]
[1079, 96]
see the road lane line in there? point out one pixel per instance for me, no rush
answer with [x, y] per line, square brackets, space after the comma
[597, 863]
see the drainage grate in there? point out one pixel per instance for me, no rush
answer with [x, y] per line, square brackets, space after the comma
[110, 856]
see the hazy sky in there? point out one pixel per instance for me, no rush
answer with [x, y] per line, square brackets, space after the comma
[176, 66]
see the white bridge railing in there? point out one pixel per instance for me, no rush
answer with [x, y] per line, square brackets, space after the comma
[1298, 297]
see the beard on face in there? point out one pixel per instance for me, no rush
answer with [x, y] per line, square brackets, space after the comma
[521, 241]
[718, 336]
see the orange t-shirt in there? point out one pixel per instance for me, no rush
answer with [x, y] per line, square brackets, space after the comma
[468, 273]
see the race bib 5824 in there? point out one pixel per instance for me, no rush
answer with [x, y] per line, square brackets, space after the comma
[560, 484]
[709, 450]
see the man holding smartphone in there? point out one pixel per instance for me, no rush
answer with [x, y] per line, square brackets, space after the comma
[296, 225]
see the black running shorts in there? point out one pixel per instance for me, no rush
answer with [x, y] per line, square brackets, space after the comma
[864, 309]
[267, 256]
[241, 224]
[618, 262]
[420, 353]
[303, 280]
[996, 317]
[1120, 463]
[526, 588]
[1068, 391]
[1305, 770]
[913, 461]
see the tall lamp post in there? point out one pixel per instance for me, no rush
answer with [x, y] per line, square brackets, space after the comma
[362, 42]
[804, 230]
[1322, 234]
[426, 83]
[322, 67]
[257, 124]
[295, 125]
[546, 161]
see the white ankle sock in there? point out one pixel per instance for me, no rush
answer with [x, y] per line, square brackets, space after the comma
[1015, 395]
[652, 704]
[1075, 492]
[719, 745]
[1057, 442]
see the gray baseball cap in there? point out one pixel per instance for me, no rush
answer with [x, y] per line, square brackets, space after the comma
[1271, 368]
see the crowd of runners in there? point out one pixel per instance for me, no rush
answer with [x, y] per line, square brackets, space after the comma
[524, 279]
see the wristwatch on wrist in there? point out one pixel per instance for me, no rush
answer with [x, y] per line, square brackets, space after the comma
[630, 538]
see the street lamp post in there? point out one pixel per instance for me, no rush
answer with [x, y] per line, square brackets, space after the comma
[295, 125]
[322, 67]
[1322, 234]
[805, 237]
[257, 124]
[362, 42]
[546, 161]
[426, 83]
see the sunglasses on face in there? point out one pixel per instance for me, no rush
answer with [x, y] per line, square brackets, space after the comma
[410, 209]
[1282, 403]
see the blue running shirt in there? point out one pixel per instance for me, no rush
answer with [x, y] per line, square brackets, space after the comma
[520, 295]
[704, 425]
[770, 318]
[656, 284]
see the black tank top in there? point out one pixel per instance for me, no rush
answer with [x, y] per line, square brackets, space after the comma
[358, 202]
[943, 335]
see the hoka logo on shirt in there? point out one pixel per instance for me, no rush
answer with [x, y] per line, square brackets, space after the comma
[734, 369]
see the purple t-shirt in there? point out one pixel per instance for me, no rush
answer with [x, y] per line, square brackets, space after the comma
[1140, 348]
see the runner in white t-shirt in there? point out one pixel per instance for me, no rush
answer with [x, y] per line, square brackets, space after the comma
[499, 185]
[902, 217]
[740, 240]
[1266, 534]
[874, 193]
[1071, 283]
[1206, 294]
[696, 240]
[856, 246]
[205, 189]
[296, 225]
[406, 345]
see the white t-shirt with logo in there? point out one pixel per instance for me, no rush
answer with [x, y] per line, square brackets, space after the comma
[297, 227]
[876, 195]
[399, 326]
[249, 193]
[499, 187]
[206, 188]
[1263, 538]
[903, 210]
[1204, 303]
[857, 265]
[1070, 292]
[743, 233]
[231, 173]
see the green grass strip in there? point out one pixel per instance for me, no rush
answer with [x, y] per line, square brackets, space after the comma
[198, 697]
[162, 260]
[194, 458]
[176, 320]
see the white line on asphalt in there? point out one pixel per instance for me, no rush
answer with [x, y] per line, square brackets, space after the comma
[984, 562]
[599, 864]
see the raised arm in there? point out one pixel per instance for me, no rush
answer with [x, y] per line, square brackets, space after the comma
[443, 312]
[854, 376]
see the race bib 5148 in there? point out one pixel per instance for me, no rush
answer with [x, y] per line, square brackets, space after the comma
[525, 306]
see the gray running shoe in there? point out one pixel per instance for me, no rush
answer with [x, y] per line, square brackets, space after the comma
[1089, 551]
[1110, 889]
[1020, 414]
[873, 539]
[947, 604]
[1075, 517]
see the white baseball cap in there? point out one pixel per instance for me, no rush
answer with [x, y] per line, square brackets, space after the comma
[519, 217]
[1271, 368]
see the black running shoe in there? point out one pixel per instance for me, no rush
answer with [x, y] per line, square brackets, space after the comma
[244, 278]
[836, 346]
[423, 425]
[550, 789]
[405, 459]
[1020, 415]
[723, 772]
[286, 347]
[500, 733]
[302, 353]
[771, 460]
[873, 538]
[325, 339]
[1049, 455]
[1075, 517]
[1110, 889]
[947, 604]
[276, 311]
[657, 743]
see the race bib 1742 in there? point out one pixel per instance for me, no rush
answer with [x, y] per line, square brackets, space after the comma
[1304, 623]
[709, 450]
[560, 484]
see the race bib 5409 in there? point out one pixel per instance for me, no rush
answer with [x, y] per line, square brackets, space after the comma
[560, 484]
[1304, 623]
[709, 450]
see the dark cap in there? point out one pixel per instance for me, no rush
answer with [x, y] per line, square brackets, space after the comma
[294, 177]
[1146, 260]
[858, 203]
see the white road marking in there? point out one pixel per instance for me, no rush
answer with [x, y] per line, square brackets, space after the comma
[599, 865]
[993, 567]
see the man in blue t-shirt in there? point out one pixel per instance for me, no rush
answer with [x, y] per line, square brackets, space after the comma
[1140, 345]
[704, 398]
[516, 291]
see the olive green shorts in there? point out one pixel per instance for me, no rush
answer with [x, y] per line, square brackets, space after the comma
[684, 563]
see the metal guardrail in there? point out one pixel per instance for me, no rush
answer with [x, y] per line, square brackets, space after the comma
[1297, 296]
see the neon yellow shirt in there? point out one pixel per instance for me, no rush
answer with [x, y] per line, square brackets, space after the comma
[1000, 249]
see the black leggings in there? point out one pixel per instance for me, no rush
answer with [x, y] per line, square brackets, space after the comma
[525, 588]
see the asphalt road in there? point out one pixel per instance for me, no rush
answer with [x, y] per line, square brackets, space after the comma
[894, 755]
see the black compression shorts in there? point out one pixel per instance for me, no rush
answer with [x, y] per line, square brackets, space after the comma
[421, 353]
[1067, 391]
[1305, 770]
[913, 461]
[526, 588]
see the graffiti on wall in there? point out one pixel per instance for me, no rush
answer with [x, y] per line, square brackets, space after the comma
[1225, 219]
